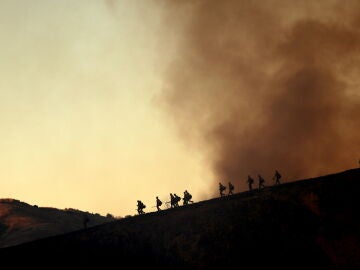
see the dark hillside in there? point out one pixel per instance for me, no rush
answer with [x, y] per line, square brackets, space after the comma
[312, 223]
[21, 222]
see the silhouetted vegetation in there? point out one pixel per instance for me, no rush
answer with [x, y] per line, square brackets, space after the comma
[108, 215]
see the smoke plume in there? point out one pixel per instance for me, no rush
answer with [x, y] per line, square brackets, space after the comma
[264, 85]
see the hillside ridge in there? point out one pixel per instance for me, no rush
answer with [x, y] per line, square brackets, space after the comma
[313, 222]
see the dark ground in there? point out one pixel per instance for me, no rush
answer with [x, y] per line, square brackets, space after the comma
[313, 224]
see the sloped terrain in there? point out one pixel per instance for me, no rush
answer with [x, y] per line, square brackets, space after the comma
[21, 222]
[312, 223]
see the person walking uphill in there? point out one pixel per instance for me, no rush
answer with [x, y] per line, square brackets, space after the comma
[172, 200]
[261, 182]
[231, 188]
[187, 198]
[158, 203]
[221, 189]
[250, 182]
[277, 177]
[176, 200]
[140, 207]
[85, 221]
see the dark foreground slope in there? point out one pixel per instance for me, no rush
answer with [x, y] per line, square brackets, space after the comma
[306, 224]
[21, 222]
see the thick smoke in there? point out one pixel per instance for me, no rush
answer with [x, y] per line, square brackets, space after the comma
[264, 85]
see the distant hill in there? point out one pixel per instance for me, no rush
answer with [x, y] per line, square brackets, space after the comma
[21, 222]
[308, 224]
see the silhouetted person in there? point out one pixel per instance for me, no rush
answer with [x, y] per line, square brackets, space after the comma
[187, 197]
[277, 177]
[261, 181]
[140, 207]
[172, 200]
[85, 221]
[250, 182]
[221, 189]
[231, 188]
[176, 200]
[158, 203]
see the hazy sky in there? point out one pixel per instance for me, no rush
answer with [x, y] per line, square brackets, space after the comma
[79, 122]
[106, 102]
